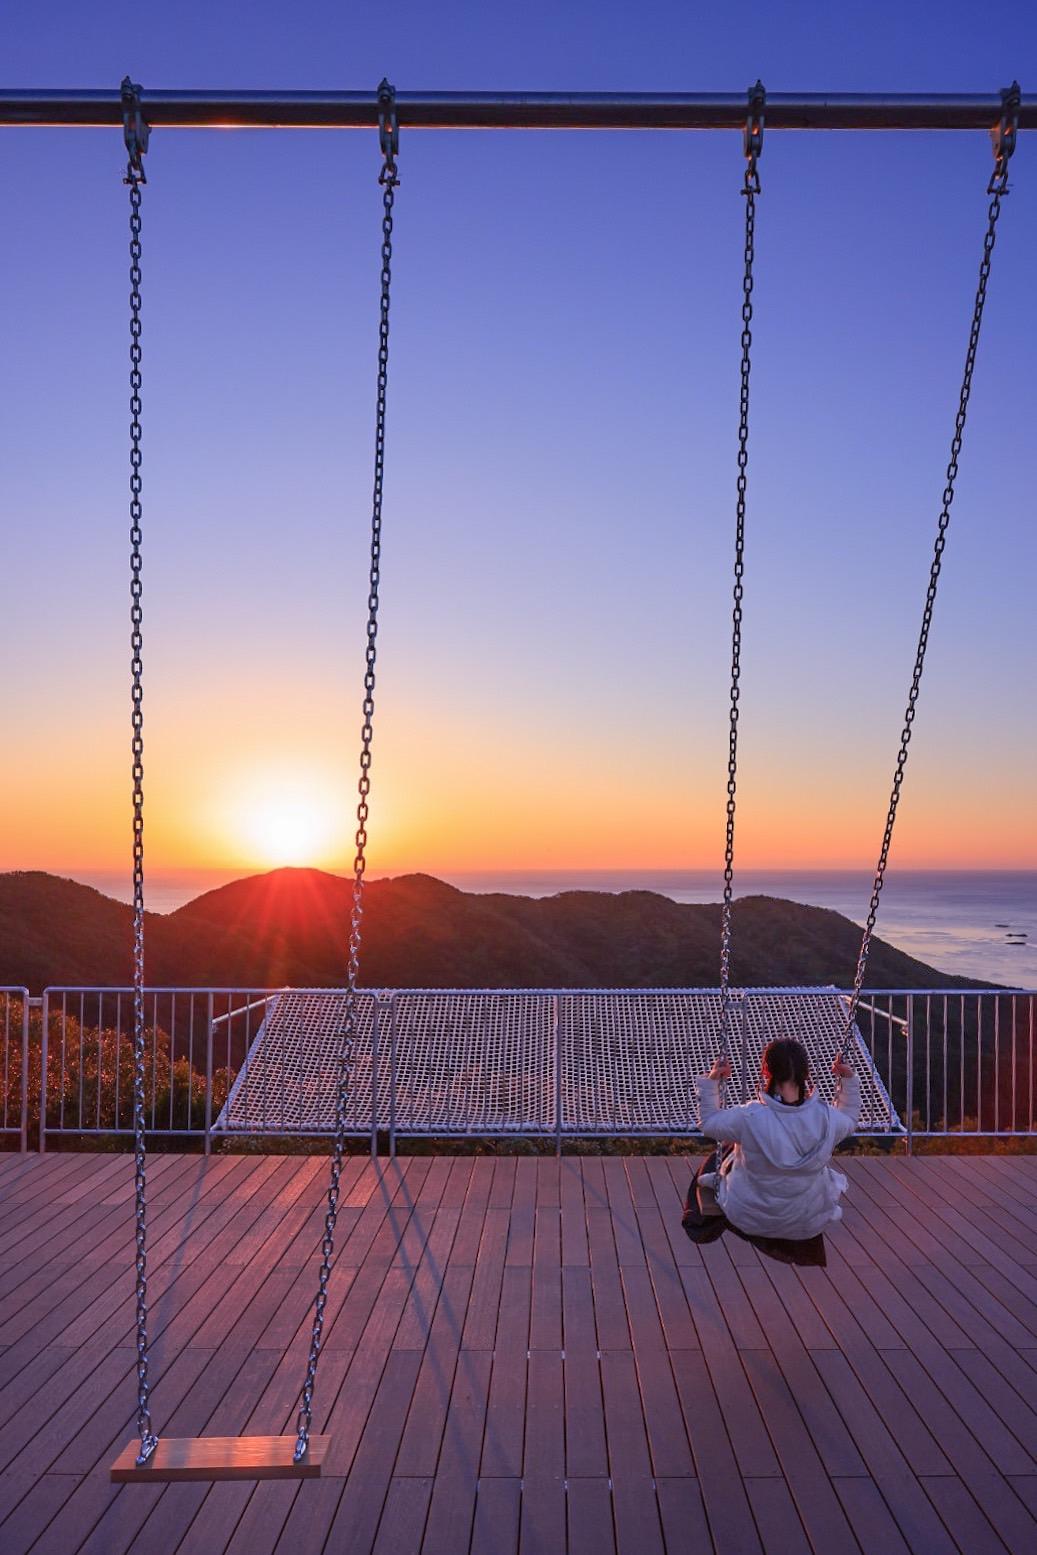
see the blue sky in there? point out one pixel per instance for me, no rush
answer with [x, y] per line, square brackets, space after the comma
[559, 503]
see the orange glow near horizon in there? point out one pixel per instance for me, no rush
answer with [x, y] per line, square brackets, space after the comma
[461, 808]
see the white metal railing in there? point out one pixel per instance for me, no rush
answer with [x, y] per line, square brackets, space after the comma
[459, 1062]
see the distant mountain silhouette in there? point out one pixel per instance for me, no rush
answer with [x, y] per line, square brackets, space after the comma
[291, 927]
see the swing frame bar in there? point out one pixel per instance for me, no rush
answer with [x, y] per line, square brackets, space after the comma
[175, 109]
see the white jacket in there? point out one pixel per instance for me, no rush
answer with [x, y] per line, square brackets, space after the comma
[778, 1182]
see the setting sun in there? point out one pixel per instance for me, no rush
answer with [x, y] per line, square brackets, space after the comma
[288, 819]
[283, 832]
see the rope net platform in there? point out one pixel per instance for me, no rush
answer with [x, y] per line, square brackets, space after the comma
[538, 1062]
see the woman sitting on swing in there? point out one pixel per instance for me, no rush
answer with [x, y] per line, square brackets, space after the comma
[776, 1188]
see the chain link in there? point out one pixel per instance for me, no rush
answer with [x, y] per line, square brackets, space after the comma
[753, 146]
[388, 179]
[136, 137]
[998, 187]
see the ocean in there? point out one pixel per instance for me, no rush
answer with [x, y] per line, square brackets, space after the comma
[970, 923]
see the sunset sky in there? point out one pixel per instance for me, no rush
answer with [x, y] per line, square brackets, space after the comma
[559, 504]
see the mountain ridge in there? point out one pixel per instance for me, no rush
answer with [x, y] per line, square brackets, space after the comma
[291, 926]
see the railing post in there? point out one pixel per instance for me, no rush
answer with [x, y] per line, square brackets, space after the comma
[24, 1141]
[44, 1054]
[909, 1032]
[556, 1021]
[392, 1077]
[376, 1005]
[743, 1079]
[208, 1078]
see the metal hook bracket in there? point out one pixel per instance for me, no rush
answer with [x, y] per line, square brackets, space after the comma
[136, 131]
[388, 131]
[752, 137]
[1004, 135]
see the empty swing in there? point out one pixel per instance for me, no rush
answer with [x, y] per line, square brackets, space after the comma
[152, 1457]
[704, 1197]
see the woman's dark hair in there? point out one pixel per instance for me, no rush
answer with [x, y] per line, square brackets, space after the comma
[785, 1060]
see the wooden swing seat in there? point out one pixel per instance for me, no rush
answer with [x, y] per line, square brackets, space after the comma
[221, 1457]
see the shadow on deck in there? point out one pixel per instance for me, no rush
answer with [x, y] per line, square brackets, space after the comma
[523, 1355]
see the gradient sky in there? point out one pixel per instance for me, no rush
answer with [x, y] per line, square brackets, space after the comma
[560, 491]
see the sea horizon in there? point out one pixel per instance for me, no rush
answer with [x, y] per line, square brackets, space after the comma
[977, 923]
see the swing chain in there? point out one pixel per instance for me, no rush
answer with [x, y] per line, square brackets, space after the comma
[753, 148]
[388, 180]
[998, 186]
[135, 133]
[1004, 136]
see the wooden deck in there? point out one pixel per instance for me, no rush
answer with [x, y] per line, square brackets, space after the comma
[524, 1356]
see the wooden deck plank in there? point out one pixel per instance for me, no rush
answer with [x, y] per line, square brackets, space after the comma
[636, 1513]
[543, 1456]
[419, 1449]
[480, 1329]
[451, 1512]
[545, 1320]
[574, 1225]
[590, 1529]
[495, 1530]
[670, 1205]
[884, 1423]
[972, 1532]
[683, 1517]
[985, 1481]
[586, 1454]
[43, 1182]
[778, 1521]
[929, 1255]
[425, 1282]
[548, 1176]
[58, 1233]
[988, 1189]
[744, 1422]
[94, 1272]
[505, 1427]
[71, 1379]
[358, 1508]
[403, 1516]
[971, 1244]
[579, 1333]
[667, 1438]
[629, 1249]
[610, 1312]
[625, 1428]
[723, 1492]
[468, 1239]
[75, 1309]
[801, 1463]
[664, 1272]
[189, 1418]
[870, 1517]
[542, 1527]
[646, 1330]
[892, 1470]
[1013, 1224]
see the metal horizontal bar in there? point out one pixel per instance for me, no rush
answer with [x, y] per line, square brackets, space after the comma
[515, 110]
[990, 991]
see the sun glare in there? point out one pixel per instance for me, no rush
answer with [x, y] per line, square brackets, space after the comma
[287, 826]
[286, 834]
